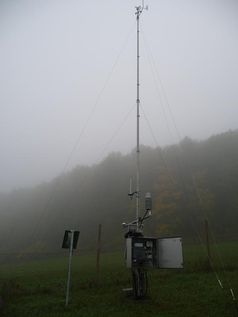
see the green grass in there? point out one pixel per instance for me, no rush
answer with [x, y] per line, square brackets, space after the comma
[37, 288]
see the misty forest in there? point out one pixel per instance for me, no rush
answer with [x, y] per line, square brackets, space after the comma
[190, 182]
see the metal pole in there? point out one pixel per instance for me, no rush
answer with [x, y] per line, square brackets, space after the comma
[69, 268]
[138, 12]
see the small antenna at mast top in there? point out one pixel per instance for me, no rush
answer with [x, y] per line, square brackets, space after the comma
[139, 9]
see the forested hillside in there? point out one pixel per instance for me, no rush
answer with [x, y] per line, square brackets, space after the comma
[188, 182]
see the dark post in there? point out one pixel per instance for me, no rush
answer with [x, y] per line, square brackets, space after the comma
[98, 249]
[208, 242]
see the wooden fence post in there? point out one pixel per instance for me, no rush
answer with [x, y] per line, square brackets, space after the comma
[208, 242]
[98, 250]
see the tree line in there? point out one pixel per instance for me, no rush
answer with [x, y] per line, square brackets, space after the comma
[190, 182]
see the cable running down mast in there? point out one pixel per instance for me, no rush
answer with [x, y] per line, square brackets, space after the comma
[139, 10]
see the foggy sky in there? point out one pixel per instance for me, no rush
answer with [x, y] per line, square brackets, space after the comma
[70, 66]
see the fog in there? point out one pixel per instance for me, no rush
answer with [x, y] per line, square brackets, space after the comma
[68, 80]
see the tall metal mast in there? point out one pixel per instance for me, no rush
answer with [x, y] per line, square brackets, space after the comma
[139, 10]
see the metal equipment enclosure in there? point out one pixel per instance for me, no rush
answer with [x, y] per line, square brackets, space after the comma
[170, 253]
[149, 252]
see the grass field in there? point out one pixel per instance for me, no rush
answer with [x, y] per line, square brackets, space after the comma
[37, 288]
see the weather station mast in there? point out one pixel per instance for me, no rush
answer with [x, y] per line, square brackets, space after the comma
[142, 252]
[139, 10]
[136, 193]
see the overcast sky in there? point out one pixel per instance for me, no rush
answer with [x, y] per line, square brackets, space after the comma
[68, 79]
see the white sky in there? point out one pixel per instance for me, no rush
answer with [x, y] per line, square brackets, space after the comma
[57, 58]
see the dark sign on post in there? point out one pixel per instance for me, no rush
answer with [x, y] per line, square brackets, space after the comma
[69, 242]
[67, 239]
